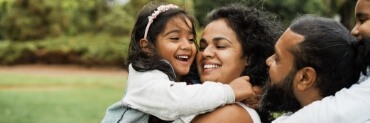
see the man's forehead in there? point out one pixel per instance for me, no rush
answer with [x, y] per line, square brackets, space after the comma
[289, 38]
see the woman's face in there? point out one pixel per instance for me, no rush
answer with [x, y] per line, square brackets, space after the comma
[362, 27]
[176, 44]
[220, 58]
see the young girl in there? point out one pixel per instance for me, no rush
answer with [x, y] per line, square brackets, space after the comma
[161, 51]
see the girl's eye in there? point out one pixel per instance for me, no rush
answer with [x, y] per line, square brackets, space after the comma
[192, 40]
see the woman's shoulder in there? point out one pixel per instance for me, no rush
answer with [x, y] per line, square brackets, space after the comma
[233, 113]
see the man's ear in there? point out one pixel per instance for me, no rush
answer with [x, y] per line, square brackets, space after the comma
[306, 78]
[144, 45]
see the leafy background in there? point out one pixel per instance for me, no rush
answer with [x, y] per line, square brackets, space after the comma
[94, 33]
[75, 31]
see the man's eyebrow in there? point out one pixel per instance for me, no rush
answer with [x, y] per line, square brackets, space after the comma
[361, 14]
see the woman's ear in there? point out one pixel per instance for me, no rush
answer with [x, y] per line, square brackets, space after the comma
[306, 78]
[246, 61]
[144, 45]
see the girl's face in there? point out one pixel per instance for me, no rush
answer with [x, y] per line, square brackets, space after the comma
[362, 27]
[176, 44]
[220, 58]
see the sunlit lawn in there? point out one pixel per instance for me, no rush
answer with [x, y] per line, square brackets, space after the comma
[57, 99]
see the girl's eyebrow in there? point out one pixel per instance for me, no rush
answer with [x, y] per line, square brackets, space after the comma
[172, 31]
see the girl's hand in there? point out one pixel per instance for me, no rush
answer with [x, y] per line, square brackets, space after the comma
[242, 88]
[252, 102]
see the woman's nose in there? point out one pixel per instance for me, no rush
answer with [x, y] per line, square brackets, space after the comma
[208, 52]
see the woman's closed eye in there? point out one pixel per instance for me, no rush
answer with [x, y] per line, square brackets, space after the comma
[221, 46]
[174, 38]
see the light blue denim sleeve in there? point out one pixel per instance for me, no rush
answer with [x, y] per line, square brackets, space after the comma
[347, 106]
[118, 113]
[153, 93]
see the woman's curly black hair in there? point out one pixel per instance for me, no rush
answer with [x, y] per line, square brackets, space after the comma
[257, 32]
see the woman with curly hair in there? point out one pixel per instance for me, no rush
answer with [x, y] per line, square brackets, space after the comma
[236, 42]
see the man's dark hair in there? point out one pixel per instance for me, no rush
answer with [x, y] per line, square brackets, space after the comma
[328, 48]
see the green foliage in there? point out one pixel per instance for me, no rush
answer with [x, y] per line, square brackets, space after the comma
[117, 22]
[287, 10]
[202, 7]
[290, 9]
[134, 6]
[4, 8]
[84, 49]
[33, 19]
[29, 20]
[85, 14]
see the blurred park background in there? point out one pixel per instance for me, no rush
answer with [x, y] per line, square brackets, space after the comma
[92, 36]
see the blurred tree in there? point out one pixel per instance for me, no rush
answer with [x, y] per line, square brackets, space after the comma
[4, 7]
[202, 7]
[290, 9]
[287, 9]
[117, 23]
[344, 9]
[134, 6]
[84, 15]
[33, 19]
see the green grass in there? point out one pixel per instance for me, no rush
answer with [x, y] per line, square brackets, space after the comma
[57, 99]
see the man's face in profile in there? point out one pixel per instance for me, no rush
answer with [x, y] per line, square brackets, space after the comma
[278, 91]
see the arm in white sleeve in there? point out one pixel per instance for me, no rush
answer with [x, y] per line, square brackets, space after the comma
[347, 106]
[153, 93]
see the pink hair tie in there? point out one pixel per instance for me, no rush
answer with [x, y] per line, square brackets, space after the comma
[160, 9]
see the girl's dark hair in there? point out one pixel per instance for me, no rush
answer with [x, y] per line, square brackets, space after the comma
[257, 31]
[144, 61]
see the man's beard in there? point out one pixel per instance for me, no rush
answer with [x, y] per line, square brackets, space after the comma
[280, 97]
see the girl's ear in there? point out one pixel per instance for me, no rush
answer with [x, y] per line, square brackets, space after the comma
[144, 45]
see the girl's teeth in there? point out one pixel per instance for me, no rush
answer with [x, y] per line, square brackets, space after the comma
[183, 57]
